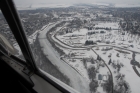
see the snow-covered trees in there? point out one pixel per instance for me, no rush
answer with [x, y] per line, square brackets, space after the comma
[93, 86]
[92, 73]
[94, 83]
[89, 42]
[122, 86]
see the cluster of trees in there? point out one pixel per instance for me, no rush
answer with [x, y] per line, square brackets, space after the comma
[68, 30]
[131, 20]
[85, 62]
[94, 83]
[106, 28]
[115, 65]
[92, 75]
[93, 86]
[122, 86]
[76, 23]
[90, 33]
[35, 19]
[90, 28]
[89, 42]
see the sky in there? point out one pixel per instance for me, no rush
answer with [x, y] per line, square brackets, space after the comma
[28, 2]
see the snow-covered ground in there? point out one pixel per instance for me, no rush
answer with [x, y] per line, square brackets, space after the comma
[130, 76]
[78, 37]
[77, 63]
[118, 41]
[77, 60]
[66, 39]
[114, 37]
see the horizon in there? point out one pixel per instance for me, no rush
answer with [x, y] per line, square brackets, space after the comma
[32, 2]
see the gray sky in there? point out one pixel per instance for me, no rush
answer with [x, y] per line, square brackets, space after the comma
[27, 2]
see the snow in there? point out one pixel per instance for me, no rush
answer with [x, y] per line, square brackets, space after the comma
[102, 70]
[80, 36]
[77, 81]
[78, 65]
[66, 39]
[130, 76]
[121, 43]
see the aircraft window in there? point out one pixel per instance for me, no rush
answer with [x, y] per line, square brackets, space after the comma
[93, 48]
[8, 42]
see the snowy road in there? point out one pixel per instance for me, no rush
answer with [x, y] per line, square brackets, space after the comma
[77, 81]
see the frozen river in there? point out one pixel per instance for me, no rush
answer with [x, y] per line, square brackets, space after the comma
[77, 81]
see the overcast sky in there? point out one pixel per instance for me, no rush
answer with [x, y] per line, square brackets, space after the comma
[27, 2]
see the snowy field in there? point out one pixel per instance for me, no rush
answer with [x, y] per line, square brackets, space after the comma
[130, 76]
[76, 62]
[117, 41]
[113, 37]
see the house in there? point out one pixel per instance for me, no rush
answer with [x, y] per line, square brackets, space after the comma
[100, 77]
